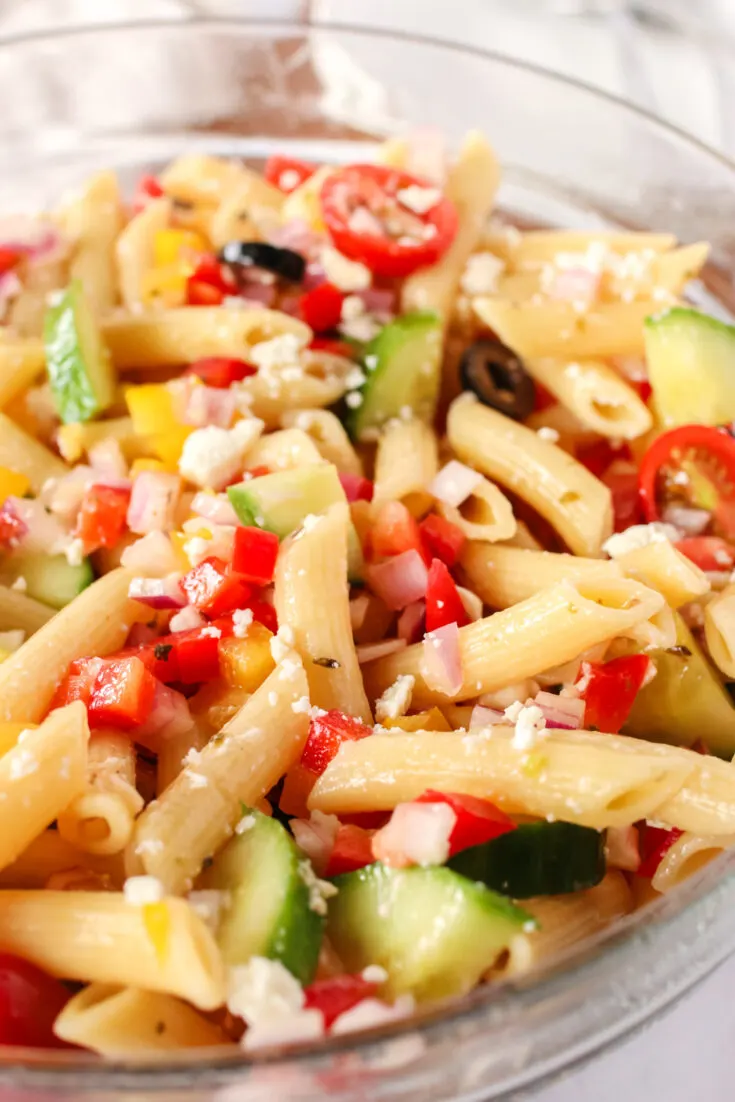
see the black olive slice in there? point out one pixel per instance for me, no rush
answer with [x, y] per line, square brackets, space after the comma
[497, 376]
[284, 263]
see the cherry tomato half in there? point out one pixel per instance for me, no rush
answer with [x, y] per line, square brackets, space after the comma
[364, 214]
[694, 465]
[30, 1001]
[287, 173]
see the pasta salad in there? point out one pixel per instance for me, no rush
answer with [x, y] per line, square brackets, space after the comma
[366, 602]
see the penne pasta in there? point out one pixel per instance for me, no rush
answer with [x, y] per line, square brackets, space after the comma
[329, 436]
[75, 440]
[134, 250]
[21, 362]
[199, 178]
[49, 856]
[719, 630]
[596, 394]
[536, 248]
[706, 804]
[662, 567]
[485, 515]
[249, 211]
[504, 575]
[320, 381]
[172, 754]
[406, 462]
[688, 854]
[279, 451]
[93, 220]
[21, 453]
[19, 611]
[576, 503]
[100, 819]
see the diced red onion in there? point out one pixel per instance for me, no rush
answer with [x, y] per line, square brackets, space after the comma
[690, 521]
[442, 665]
[297, 235]
[399, 581]
[454, 483]
[485, 717]
[209, 405]
[187, 619]
[152, 555]
[258, 294]
[170, 716]
[622, 849]
[369, 652]
[140, 634]
[411, 621]
[34, 238]
[378, 300]
[315, 836]
[10, 288]
[575, 285]
[561, 711]
[153, 502]
[214, 507]
[314, 275]
[64, 496]
[43, 532]
[158, 592]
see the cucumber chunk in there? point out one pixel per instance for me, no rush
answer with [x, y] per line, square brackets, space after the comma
[78, 364]
[49, 578]
[402, 366]
[691, 365]
[279, 502]
[536, 859]
[269, 912]
[434, 931]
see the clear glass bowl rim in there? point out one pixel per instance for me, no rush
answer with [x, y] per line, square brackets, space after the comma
[694, 914]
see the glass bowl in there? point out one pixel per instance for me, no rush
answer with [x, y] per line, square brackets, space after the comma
[132, 97]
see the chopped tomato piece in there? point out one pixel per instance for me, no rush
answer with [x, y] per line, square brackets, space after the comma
[197, 657]
[443, 602]
[147, 188]
[159, 656]
[321, 308]
[353, 849]
[122, 695]
[207, 285]
[221, 371]
[622, 481]
[609, 689]
[214, 589]
[8, 258]
[442, 539]
[369, 220]
[78, 683]
[599, 456]
[394, 532]
[655, 842]
[12, 527]
[356, 487]
[705, 456]
[30, 1001]
[337, 995]
[199, 293]
[255, 554]
[326, 735]
[333, 347]
[264, 613]
[287, 173]
[102, 518]
[478, 820]
[708, 552]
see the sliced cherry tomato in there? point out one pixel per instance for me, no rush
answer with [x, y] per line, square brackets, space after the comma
[337, 995]
[708, 552]
[394, 532]
[221, 371]
[214, 589]
[356, 487]
[8, 258]
[367, 221]
[655, 842]
[442, 539]
[333, 347]
[122, 695]
[622, 481]
[326, 735]
[287, 173]
[30, 1001]
[353, 849]
[102, 518]
[609, 689]
[706, 457]
[443, 602]
[147, 188]
[255, 554]
[478, 820]
[321, 308]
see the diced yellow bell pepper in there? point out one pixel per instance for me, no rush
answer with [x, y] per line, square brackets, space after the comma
[140, 465]
[174, 245]
[165, 286]
[10, 732]
[12, 482]
[245, 663]
[157, 922]
[151, 407]
[432, 720]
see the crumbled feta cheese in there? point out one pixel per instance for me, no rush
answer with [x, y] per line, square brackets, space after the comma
[529, 721]
[209, 904]
[355, 378]
[242, 618]
[416, 833]
[418, 199]
[211, 457]
[282, 643]
[371, 1012]
[347, 275]
[197, 780]
[141, 890]
[211, 632]
[186, 619]
[316, 713]
[278, 352]
[302, 706]
[481, 274]
[396, 700]
[75, 552]
[374, 973]
[353, 399]
[22, 764]
[551, 436]
[319, 890]
[265, 994]
[638, 536]
[352, 307]
[20, 584]
[362, 328]
[289, 179]
[246, 823]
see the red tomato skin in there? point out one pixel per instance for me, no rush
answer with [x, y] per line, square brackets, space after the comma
[598, 457]
[214, 589]
[707, 552]
[609, 690]
[122, 695]
[8, 258]
[443, 602]
[255, 554]
[356, 487]
[478, 821]
[277, 169]
[12, 529]
[622, 481]
[655, 842]
[102, 518]
[30, 1001]
[716, 442]
[199, 293]
[336, 995]
[197, 658]
[77, 684]
[333, 347]
[353, 849]
[395, 531]
[147, 188]
[442, 539]
[221, 371]
[326, 735]
[321, 308]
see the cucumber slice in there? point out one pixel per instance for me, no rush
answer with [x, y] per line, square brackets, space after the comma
[269, 913]
[50, 578]
[79, 367]
[279, 502]
[536, 859]
[434, 931]
[691, 365]
[402, 365]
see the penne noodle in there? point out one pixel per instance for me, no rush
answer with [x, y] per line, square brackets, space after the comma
[19, 611]
[322, 381]
[576, 503]
[596, 394]
[706, 804]
[406, 463]
[100, 820]
[134, 249]
[199, 178]
[100, 937]
[49, 855]
[40, 280]
[21, 362]
[688, 854]
[21, 453]
[329, 436]
[75, 439]
[719, 630]
[523, 538]
[505, 575]
[486, 514]
[173, 751]
[663, 568]
[93, 220]
[282, 450]
[540, 247]
[250, 211]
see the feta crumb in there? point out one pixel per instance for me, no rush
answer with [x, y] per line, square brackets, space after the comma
[208, 904]
[302, 706]
[246, 823]
[211, 457]
[481, 274]
[289, 179]
[272, 698]
[529, 721]
[186, 619]
[396, 700]
[352, 307]
[551, 436]
[197, 780]
[141, 890]
[354, 378]
[75, 552]
[374, 973]
[20, 584]
[371, 1012]
[319, 890]
[22, 764]
[418, 199]
[362, 328]
[281, 643]
[347, 275]
[316, 713]
[417, 834]
[271, 1001]
[281, 351]
[242, 618]
[353, 399]
[638, 536]
[211, 632]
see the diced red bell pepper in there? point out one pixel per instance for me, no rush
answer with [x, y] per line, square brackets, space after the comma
[356, 487]
[622, 481]
[543, 398]
[122, 695]
[221, 371]
[255, 554]
[478, 820]
[609, 689]
[654, 844]
[599, 456]
[102, 518]
[708, 552]
[287, 173]
[321, 308]
[77, 684]
[443, 602]
[394, 532]
[197, 657]
[442, 539]
[8, 258]
[353, 849]
[207, 285]
[147, 188]
[337, 995]
[159, 656]
[30, 1002]
[264, 613]
[333, 347]
[12, 527]
[214, 589]
[199, 293]
[326, 735]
